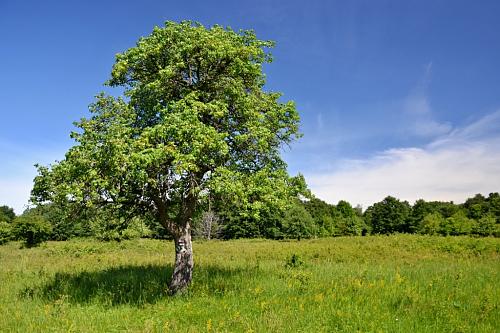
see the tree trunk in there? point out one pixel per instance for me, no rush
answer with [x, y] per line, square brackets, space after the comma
[183, 268]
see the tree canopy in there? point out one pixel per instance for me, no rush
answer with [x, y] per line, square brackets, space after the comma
[194, 119]
[7, 214]
[389, 216]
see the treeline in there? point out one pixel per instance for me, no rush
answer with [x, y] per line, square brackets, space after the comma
[307, 218]
[478, 216]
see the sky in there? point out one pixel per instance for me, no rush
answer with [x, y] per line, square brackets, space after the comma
[396, 98]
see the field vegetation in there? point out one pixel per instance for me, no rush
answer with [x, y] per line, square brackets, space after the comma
[396, 283]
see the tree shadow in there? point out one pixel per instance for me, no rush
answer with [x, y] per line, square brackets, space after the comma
[135, 285]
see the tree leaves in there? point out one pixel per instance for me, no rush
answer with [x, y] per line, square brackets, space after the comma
[194, 119]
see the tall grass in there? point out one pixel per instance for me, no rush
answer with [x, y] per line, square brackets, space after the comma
[400, 283]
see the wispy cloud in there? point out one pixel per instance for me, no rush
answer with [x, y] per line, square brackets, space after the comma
[417, 108]
[454, 166]
[335, 132]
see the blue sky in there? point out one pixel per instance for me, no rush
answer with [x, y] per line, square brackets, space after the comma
[396, 97]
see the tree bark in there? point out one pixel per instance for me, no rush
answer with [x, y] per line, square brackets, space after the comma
[183, 268]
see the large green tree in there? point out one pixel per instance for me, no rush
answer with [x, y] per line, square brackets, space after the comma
[388, 216]
[194, 120]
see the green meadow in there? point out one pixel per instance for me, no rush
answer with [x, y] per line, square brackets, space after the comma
[398, 283]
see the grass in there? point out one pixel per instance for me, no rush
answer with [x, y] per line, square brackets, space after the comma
[400, 283]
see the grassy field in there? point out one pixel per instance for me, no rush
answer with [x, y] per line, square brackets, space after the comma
[399, 283]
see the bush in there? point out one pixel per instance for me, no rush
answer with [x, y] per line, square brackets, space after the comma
[294, 261]
[5, 232]
[32, 229]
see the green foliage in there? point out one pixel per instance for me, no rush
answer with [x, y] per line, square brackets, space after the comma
[476, 216]
[349, 223]
[319, 209]
[31, 229]
[494, 205]
[389, 216]
[345, 209]
[447, 209]
[5, 232]
[7, 214]
[487, 226]
[458, 224]
[350, 226]
[194, 119]
[420, 210]
[298, 223]
[294, 261]
[479, 206]
[237, 226]
[68, 220]
[431, 224]
[476, 206]
[257, 208]
[113, 225]
[326, 226]
[330, 220]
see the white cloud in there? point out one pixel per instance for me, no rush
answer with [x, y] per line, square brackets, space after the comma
[454, 167]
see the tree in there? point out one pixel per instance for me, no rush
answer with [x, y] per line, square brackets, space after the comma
[349, 223]
[486, 226]
[476, 206]
[298, 223]
[7, 214]
[494, 205]
[389, 216]
[194, 120]
[458, 224]
[209, 225]
[431, 224]
[420, 210]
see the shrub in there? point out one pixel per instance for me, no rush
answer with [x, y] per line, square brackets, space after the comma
[294, 261]
[32, 229]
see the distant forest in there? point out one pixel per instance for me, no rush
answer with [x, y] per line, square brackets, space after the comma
[307, 218]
